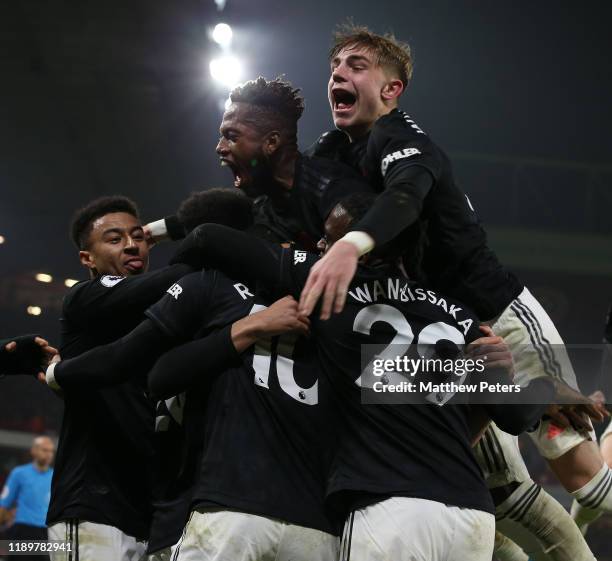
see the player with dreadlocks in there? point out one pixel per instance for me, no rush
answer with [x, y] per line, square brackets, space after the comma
[293, 193]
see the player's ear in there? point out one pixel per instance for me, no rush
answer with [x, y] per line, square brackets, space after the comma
[272, 142]
[86, 259]
[392, 90]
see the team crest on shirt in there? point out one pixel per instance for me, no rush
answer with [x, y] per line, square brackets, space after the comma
[110, 280]
[299, 257]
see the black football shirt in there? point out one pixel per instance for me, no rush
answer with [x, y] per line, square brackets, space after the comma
[105, 446]
[269, 424]
[299, 215]
[456, 259]
[421, 451]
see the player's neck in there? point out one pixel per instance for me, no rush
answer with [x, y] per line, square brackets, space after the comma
[358, 132]
[40, 467]
[284, 167]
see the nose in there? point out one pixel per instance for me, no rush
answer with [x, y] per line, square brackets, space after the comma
[338, 74]
[221, 148]
[131, 246]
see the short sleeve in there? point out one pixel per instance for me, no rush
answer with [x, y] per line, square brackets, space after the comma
[10, 490]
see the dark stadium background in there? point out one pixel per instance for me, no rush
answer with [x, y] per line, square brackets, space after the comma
[115, 97]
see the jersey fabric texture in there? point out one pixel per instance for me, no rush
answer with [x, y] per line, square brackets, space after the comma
[266, 427]
[319, 184]
[456, 260]
[106, 441]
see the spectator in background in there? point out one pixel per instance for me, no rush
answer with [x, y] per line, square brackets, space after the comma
[28, 487]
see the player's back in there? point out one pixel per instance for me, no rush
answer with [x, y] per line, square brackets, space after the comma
[268, 418]
[389, 449]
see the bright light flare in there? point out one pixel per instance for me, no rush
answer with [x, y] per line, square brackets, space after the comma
[226, 70]
[2, 240]
[222, 34]
[44, 277]
[70, 282]
[34, 310]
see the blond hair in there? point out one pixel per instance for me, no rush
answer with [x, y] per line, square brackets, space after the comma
[389, 53]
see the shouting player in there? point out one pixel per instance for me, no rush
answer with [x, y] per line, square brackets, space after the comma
[369, 73]
[294, 193]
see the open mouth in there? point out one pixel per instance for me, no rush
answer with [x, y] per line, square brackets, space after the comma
[343, 99]
[235, 171]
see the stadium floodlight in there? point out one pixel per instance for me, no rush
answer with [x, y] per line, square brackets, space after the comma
[70, 282]
[222, 34]
[226, 70]
[2, 239]
[34, 310]
[44, 277]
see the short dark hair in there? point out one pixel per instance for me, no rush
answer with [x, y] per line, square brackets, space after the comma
[277, 104]
[218, 205]
[83, 219]
[390, 53]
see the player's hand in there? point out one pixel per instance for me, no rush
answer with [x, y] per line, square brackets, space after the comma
[281, 317]
[148, 236]
[330, 277]
[42, 376]
[598, 397]
[493, 350]
[574, 404]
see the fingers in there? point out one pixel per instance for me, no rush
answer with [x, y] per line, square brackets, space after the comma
[11, 346]
[487, 330]
[310, 293]
[41, 342]
[328, 299]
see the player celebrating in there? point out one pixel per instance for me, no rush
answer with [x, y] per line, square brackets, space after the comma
[368, 75]
[100, 495]
[373, 464]
[294, 193]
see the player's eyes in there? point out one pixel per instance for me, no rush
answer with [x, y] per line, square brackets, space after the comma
[114, 240]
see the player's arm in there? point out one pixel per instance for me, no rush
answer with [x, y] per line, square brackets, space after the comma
[236, 253]
[106, 297]
[174, 372]
[409, 166]
[10, 492]
[171, 321]
[515, 412]
[25, 354]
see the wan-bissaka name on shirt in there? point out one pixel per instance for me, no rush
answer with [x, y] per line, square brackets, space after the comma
[396, 289]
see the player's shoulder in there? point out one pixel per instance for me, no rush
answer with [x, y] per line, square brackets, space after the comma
[321, 171]
[398, 123]
[83, 292]
[328, 144]
[446, 309]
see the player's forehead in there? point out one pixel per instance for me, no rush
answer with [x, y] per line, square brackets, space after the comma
[121, 221]
[234, 116]
[354, 52]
